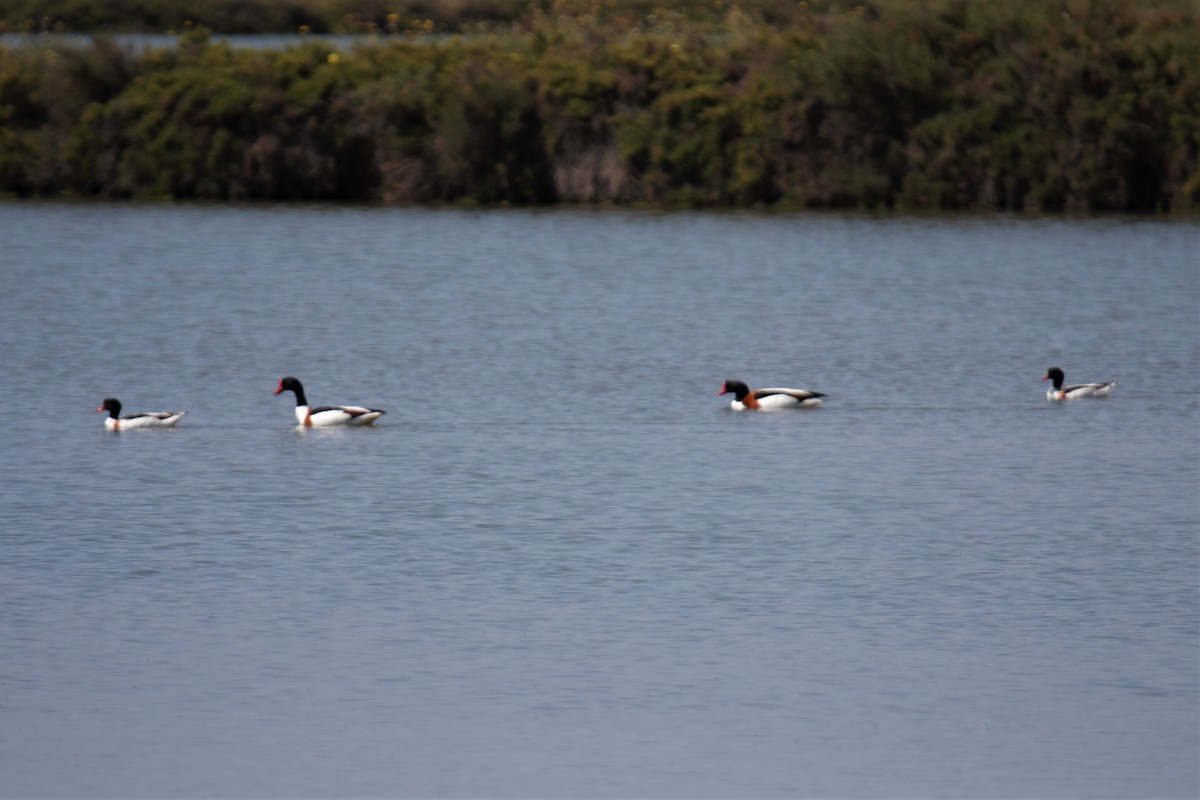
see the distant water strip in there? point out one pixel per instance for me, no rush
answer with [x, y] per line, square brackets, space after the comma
[139, 42]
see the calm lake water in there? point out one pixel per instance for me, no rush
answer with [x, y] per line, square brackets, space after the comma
[559, 566]
[138, 42]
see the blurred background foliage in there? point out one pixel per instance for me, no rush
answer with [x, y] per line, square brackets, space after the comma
[1080, 105]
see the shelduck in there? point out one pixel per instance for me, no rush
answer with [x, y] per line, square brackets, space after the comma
[147, 419]
[769, 399]
[322, 416]
[1075, 391]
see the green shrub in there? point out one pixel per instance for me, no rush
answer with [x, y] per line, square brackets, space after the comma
[1066, 104]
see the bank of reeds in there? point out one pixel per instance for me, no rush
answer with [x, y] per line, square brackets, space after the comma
[945, 104]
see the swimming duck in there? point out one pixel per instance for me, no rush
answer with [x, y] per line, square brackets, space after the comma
[322, 416]
[1074, 391]
[148, 419]
[769, 399]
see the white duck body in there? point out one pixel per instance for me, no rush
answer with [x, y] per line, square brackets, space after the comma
[326, 416]
[1076, 391]
[146, 419]
[770, 399]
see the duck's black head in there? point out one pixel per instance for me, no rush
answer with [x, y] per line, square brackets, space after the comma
[290, 384]
[1054, 374]
[112, 405]
[739, 389]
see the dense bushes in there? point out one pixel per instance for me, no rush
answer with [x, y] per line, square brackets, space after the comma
[1042, 104]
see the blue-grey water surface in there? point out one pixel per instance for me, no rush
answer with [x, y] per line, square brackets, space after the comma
[140, 42]
[559, 566]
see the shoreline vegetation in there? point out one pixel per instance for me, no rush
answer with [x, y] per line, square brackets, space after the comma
[1027, 105]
